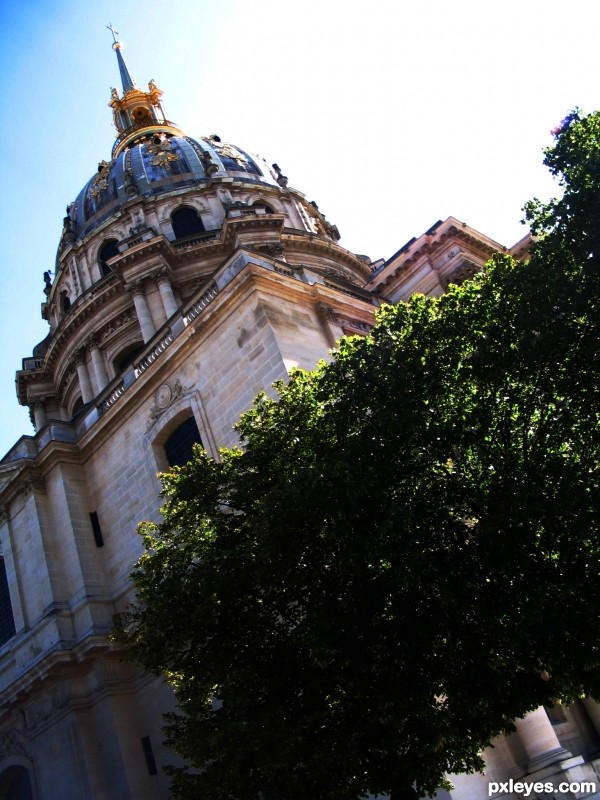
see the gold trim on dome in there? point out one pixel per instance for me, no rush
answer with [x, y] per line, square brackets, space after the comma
[227, 150]
[162, 152]
[100, 182]
[133, 135]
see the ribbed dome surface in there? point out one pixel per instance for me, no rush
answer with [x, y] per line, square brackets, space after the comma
[156, 165]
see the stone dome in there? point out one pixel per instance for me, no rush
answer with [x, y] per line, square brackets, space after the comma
[156, 164]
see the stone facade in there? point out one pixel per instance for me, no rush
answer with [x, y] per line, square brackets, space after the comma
[189, 277]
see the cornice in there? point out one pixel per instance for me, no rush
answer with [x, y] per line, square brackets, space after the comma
[313, 243]
[430, 246]
[78, 316]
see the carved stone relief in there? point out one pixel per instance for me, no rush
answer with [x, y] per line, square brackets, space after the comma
[164, 397]
[12, 743]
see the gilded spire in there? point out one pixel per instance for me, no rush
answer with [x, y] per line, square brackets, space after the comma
[137, 114]
[126, 79]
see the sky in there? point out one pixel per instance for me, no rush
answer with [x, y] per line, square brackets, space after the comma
[389, 114]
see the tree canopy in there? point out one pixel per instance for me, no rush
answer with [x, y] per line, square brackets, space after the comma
[405, 555]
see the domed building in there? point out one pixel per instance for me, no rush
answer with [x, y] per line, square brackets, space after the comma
[189, 276]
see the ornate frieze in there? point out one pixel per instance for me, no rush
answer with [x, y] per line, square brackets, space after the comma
[328, 314]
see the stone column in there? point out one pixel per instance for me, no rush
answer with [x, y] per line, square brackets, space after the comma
[539, 740]
[166, 293]
[87, 393]
[98, 362]
[142, 311]
[39, 414]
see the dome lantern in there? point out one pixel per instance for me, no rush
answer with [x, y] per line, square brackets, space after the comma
[137, 114]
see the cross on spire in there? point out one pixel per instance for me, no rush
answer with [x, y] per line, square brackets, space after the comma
[113, 31]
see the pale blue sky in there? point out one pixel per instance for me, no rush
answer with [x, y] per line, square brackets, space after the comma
[389, 115]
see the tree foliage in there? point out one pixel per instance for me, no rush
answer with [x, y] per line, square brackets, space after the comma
[405, 555]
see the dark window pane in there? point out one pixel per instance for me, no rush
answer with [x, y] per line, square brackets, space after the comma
[109, 250]
[186, 222]
[7, 621]
[178, 446]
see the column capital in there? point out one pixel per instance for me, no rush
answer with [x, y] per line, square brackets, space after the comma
[92, 342]
[30, 485]
[160, 275]
[80, 356]
[135, 288]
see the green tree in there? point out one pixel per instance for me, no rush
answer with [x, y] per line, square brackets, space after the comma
[405, 555]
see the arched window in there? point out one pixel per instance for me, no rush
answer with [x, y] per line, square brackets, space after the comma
[108, 250]
[186, 222]
[15, 784]
[126, 357]
[259, 204]
[7, 620]
[178, 447]
[65, 302]
[76, 406]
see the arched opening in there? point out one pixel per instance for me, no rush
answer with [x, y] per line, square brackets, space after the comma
[15, 784]
[186, 222]
[263, 206]
[179, 445]
[77, 406]
[65, 302]
[108, 250]
[127, 356]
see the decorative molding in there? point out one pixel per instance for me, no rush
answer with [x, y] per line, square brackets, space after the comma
[30, 485]
[327, 314]
[226, 150]
[100, 182]
[462, 272]
[273, 249]
[67, 377]
[80, 356]
[92, 342]
[160, 275]
[162, 151]
[136, 288]
[343, 275]
[46, 705]
[12, 743]
[356, 324]
[115, 325]
[164, 397]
